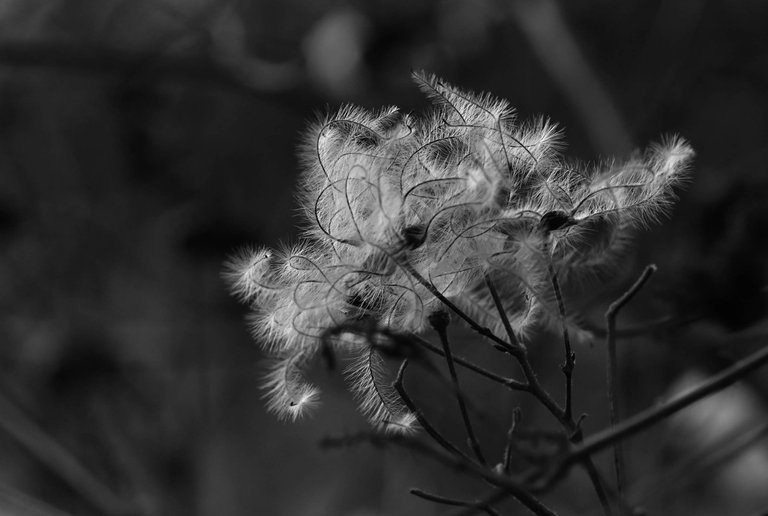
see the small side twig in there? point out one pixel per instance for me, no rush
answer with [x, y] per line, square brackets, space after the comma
[439, 322]
[730, 447]
[595, 477]
[660, 324]
[485, 332]
[570, 356]
[497, 497]
[612, 371]
[509, 486]
[500, 309]
[507, 382]
[516, 415]
[563, 415]
[534, 387]
[480, 506]
[521, 354]
[425, 424]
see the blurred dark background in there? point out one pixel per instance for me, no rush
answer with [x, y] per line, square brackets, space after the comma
[142, 141]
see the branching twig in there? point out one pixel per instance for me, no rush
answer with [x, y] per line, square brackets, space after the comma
[613, 368]
[500, 309]
[533, 384]
[459, 462]
[563, 415]
[439, 322]
[507, 382]
[570, 356]
[485, 332]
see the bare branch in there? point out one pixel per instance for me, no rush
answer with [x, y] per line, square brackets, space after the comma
[425, 424]
[507, 382]
[480, 506]
[570, 356]
[650, 417]
[613, 368]
[439, 322]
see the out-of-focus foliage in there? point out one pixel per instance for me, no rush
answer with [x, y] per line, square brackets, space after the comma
[142, 141]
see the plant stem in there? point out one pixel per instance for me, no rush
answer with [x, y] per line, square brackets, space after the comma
[650, 417]
[507, 382]
[594, 475]
[500, 309]
[497, 497]
[663, 323]
[564, 416]
[570, 356]
[459, 462]
[439, 322]
[612, 377]
[534, 386]
[485, 332]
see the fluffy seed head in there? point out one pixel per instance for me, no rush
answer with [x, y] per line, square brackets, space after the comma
[460, 194]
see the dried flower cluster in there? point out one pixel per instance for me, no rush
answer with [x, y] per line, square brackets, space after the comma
[460, 194]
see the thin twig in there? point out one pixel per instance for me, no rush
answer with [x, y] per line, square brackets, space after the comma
[663, 323]
[480, 506]
[439, 322]
[570, 356]
[500, 309]
[485, 332]
[533, 386]
[595, 477]
[458, 462]
[538, 391]
[507, 382]
[497, 497]
[650, 417]
[516, 415]
[612, 372]
[564, 416]
[425, 424]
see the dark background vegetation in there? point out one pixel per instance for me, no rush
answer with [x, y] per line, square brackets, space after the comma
[142, 141]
